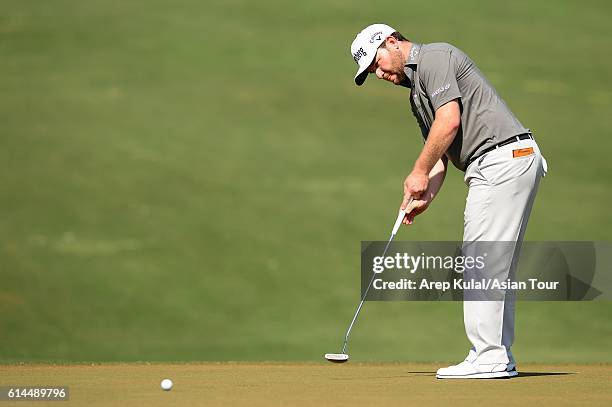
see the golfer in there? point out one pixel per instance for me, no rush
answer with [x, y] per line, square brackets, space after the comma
[463, 120]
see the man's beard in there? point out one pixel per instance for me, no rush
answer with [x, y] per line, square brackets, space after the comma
[401, 75]
[405, 83]
[399, 71]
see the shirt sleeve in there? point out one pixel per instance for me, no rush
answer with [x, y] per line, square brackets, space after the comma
[439, 75]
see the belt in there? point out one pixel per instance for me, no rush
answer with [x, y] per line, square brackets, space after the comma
[503, 143]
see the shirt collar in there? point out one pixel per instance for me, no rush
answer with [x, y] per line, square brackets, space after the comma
[413, 59]
[414, 55]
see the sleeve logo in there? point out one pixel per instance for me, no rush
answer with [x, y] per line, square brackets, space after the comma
[440, 90]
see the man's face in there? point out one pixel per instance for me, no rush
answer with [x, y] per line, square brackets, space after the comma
[388, 63]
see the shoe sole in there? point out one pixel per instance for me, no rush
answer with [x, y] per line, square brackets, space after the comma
[484, 375]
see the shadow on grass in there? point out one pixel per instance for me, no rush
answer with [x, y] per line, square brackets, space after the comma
[429, 373]
[534, 374]
[521, 374]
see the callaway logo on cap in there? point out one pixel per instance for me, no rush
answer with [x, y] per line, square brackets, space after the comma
[364, 46]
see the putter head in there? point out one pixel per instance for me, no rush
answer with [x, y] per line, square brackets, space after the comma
[337, 357]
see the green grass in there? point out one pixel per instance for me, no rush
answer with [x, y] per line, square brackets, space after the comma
[310, 384]
[191, 181]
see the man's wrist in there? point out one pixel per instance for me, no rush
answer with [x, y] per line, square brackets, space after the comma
[420, 169]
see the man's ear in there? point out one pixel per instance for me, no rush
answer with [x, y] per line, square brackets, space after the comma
[391, 42]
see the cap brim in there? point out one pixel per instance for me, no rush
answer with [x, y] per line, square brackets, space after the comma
[362, 73]
[361, 77]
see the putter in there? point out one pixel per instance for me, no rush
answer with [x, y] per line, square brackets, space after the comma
[343, 356]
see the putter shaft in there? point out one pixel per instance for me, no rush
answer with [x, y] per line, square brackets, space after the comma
[365, 294]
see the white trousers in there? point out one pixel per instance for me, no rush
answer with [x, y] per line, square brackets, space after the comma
[502, 189]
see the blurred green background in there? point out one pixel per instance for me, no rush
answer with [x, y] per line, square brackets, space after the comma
[191, 180]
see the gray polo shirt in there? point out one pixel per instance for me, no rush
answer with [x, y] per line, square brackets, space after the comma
[439, 73]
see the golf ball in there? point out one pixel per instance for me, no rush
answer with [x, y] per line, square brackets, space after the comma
[166, 384]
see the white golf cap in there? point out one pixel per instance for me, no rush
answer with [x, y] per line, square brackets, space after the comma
[364, 46]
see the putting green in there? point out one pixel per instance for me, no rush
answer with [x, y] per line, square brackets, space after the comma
[265, 384]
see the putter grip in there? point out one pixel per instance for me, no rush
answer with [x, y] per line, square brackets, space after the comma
[398, 222]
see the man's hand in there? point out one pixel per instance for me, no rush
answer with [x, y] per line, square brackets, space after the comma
[414, 186]
[433, 183]
[416, 207]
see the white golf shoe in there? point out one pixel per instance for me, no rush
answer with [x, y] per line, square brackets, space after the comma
[510, 367]
[467, 370]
